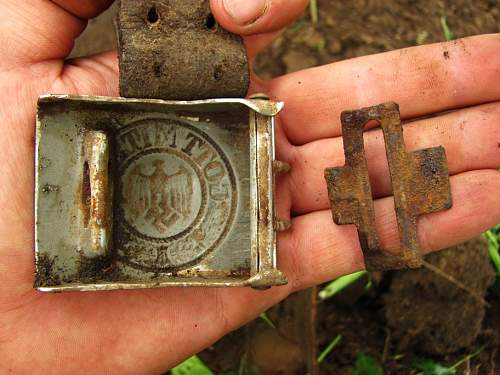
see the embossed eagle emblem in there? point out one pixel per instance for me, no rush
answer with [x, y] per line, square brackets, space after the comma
[160, 199]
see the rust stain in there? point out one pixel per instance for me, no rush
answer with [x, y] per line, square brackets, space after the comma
[238, 273]
[83, 194]
[281, 167]
[96, 197]
[420, 185]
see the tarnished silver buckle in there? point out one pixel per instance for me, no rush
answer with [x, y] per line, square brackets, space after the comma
[139, 193]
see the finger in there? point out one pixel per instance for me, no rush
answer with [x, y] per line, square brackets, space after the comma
[283, 151]
[95, 75]
[256, 43]
[259, 21]
[423, 80]
[42, 30]
[471, 138]
[85, 9]
[92, 76]
[317, 250]
[257, 16]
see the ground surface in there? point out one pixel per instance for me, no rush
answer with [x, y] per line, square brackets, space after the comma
[405, 314]
[360, 27]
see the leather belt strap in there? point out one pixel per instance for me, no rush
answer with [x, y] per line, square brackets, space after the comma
[175, 50]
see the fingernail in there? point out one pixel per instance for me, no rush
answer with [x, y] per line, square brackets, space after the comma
[245, 12]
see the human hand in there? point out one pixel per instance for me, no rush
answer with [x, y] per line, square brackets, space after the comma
[149, 331]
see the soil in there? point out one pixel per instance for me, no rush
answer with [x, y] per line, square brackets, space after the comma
[45, 274]
[406, 314]
[355, 28]
[417, 313]
[434, 315]
[96, 270]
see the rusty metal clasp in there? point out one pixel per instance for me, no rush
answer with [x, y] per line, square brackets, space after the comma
[420, 185]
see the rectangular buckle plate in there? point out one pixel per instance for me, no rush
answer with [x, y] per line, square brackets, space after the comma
[142, 193]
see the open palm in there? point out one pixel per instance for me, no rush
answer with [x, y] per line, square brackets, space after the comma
[148, 331]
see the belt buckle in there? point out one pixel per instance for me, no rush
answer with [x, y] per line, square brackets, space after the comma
[143, 193]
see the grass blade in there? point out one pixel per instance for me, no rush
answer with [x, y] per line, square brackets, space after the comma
[267, 320]
[313, 7]
[448, 34]
[339, 284]
[468, 357]
[329, 348]
[493, 247]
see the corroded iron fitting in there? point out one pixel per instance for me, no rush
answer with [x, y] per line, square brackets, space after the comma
[420, 185]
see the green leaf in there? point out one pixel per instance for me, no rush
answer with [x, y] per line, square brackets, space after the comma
[430, 367]
[367, 365]
[193, 366]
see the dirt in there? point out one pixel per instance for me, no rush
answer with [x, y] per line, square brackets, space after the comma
[355, 28]
[99, 36]
[435, 315]
[406, 314]
[226, 354]
[270, 346]
[45, 274]
[96, 270]
[271, 353]
[418, 313]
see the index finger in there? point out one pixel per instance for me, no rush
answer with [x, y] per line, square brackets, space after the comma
[423, 80]
[37, 31]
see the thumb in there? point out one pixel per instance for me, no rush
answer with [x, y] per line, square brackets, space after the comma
[248, 17]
